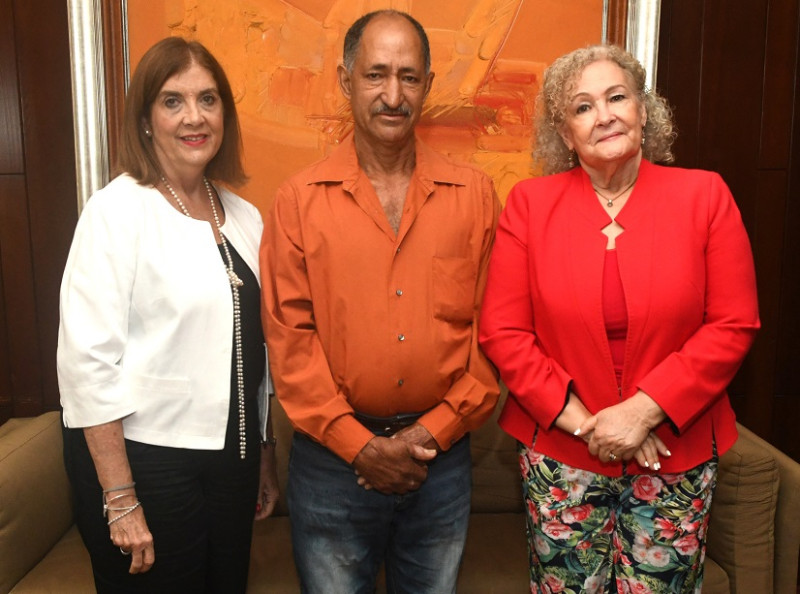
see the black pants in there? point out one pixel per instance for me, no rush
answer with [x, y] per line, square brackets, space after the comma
[199, 506]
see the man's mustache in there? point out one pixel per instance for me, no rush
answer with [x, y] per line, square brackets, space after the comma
[386, 110]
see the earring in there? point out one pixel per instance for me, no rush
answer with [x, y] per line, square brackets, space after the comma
[147, 133]
[642, 136]
[571, 159]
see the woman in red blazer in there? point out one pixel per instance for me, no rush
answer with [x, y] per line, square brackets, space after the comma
[620, 302]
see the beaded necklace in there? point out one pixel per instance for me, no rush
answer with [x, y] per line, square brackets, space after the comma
[236, 282]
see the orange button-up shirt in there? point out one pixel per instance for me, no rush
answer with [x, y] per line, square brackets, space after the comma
[360, 318]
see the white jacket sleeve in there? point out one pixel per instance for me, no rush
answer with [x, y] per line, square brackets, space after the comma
[95, 305]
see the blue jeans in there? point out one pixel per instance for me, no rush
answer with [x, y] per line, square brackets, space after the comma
[342, 532]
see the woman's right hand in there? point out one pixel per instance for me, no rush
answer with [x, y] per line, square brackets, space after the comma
[575, 415]
[649, 453]
[131, 534]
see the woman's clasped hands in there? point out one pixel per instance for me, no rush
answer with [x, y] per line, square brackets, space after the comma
[622, 432]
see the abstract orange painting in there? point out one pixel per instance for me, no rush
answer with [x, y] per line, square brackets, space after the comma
[281, 57]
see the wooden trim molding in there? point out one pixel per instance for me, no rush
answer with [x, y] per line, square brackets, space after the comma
[116, 69]
[616, 25]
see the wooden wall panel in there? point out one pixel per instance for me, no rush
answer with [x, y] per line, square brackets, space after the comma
[731, 72]
[787, 371]
[730, 98]
[11, 139]
[15, 254]
[679, 73]
[38, 204]
[50, 167]
[768, 239]
[778, 97]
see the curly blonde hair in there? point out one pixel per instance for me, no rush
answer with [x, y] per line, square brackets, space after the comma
[551, 105]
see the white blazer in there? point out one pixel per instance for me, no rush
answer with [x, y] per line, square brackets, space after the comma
[146, 326]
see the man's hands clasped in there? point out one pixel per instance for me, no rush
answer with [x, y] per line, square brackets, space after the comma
[396, 464]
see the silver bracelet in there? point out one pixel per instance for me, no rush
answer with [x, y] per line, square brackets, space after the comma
[125, 513]
[120, 487]
[106, 509]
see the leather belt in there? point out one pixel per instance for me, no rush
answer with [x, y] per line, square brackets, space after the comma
[387, 426]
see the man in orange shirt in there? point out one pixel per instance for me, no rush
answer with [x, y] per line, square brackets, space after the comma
[374, 262]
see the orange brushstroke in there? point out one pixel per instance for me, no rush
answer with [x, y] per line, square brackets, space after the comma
[281, 58]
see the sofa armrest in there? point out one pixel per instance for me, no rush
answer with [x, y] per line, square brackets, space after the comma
[742, 527]
[787, 518]
[35, 500]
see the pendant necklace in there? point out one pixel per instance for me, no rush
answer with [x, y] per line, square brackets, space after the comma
[610, 199]
[235, 282]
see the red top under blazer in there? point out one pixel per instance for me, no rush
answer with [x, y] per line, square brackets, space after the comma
[690, 289]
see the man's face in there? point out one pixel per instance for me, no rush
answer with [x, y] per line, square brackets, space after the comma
[387, 85]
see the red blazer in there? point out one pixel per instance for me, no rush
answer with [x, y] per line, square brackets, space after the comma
[690, 289]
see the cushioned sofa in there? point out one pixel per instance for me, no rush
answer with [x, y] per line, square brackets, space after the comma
[753, 540]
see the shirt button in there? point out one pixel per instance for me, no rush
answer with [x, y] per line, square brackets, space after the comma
[400, 382]
[401, 337]
[399, 292]
[398, 251]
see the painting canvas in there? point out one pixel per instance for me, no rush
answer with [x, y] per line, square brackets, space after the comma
[281, 57]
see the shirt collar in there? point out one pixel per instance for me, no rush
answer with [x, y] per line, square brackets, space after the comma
[341, 166]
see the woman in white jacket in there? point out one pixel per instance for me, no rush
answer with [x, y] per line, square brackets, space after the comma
[161, 358]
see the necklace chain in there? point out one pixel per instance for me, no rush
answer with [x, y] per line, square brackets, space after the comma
[235, 282]
[610, 200]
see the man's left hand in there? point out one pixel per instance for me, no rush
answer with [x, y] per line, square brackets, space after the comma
[414, 434]
[392, 466]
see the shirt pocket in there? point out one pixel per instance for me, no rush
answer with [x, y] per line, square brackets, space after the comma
[454, 289]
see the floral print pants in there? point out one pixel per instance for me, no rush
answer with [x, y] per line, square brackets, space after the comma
[635, 534]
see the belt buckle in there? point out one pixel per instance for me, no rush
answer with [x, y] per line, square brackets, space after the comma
[386, 427]
[396, 424]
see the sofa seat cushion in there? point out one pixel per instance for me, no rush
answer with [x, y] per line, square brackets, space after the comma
[66, 569]
[715, 580]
